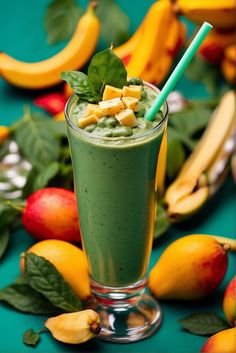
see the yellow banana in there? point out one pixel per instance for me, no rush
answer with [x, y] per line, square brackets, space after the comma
[47, 72]
[221, 14]
[205, 169]
[161, 64]
[157, 18]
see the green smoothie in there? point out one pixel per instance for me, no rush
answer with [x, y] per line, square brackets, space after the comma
[114, 172]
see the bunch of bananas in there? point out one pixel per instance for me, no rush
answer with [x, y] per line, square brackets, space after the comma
[46, 73]
[206, 168]
[150, 52]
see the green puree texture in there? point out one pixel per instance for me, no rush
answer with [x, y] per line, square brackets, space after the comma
[115, 185]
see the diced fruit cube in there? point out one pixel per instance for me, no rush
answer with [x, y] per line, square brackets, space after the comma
[127, 118]
[111, 106]
[93, 109]
[132, 91]
[111, 92]
[130, 102]
[91, 119]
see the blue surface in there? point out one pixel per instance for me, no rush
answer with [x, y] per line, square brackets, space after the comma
[24, 38]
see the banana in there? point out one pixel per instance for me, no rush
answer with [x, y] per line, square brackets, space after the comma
[160, 65]
[221, 14]
[151, 38]
[206, 168]
[47, 72]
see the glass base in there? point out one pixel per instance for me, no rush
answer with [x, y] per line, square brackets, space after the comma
[127, 314]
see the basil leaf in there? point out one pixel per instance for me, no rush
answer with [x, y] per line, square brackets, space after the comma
[78, 81]
[36, 141]
[4, 241]
[61, 19]
[46, 175]
[45, 279]
[162, 222]
[175, 158]
[115, 23]
[203, 323]
[191, 121]
[22, 297]
[106, 68]
[31, 338]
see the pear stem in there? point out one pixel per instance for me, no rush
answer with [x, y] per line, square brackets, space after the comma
[95, 328]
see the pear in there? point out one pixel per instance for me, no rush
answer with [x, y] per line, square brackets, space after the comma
[189, 268]
[222, 342]
[74, 328]
[229, 302]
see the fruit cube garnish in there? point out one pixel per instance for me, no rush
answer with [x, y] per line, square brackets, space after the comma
[91, 119]
[111, 106]
[127, 118]
[132, 91]
[93, 109]
[111, 92]
[130, 102]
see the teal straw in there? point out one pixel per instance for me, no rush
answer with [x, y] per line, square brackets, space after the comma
[178, 71]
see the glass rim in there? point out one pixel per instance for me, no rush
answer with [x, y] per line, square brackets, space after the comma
[120, 138]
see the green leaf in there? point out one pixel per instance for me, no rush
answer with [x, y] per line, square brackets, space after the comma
[31, 338]
[191, 121]
[203, 323]
[115, 23]
[61, 19]
[8, 215]
[36, 141]
[46, 175]
[45, 279]
[106, 68]
[22, 297]
[175, 158]
[78, 81]
[162, 222]
[57, 128]
[200, 70]
[174, 134]
[4, 241]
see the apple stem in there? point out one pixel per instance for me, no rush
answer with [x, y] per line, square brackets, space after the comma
[16, 205]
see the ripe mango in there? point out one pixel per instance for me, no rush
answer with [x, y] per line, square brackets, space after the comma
[229, 302]
[189, 268]
[228, 65]
[222, 342]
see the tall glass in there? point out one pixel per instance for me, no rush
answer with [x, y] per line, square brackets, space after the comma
[116, 186]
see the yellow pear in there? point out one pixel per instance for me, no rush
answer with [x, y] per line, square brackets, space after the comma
[189, 268]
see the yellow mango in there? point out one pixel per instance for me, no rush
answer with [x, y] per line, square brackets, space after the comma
[91, 119]
[111, 106]
[111, 92]
[93, 109]
[132, 91]
[130, 102]
[127, 118]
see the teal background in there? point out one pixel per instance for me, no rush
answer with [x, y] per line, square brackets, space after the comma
[23, 36]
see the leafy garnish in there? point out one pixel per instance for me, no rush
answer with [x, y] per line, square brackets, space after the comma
[203, 323]
[115, 23]
[43, 277]
[106, 68]
[61, 19]
[22, 297]
[175, 158]
[78, 81]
